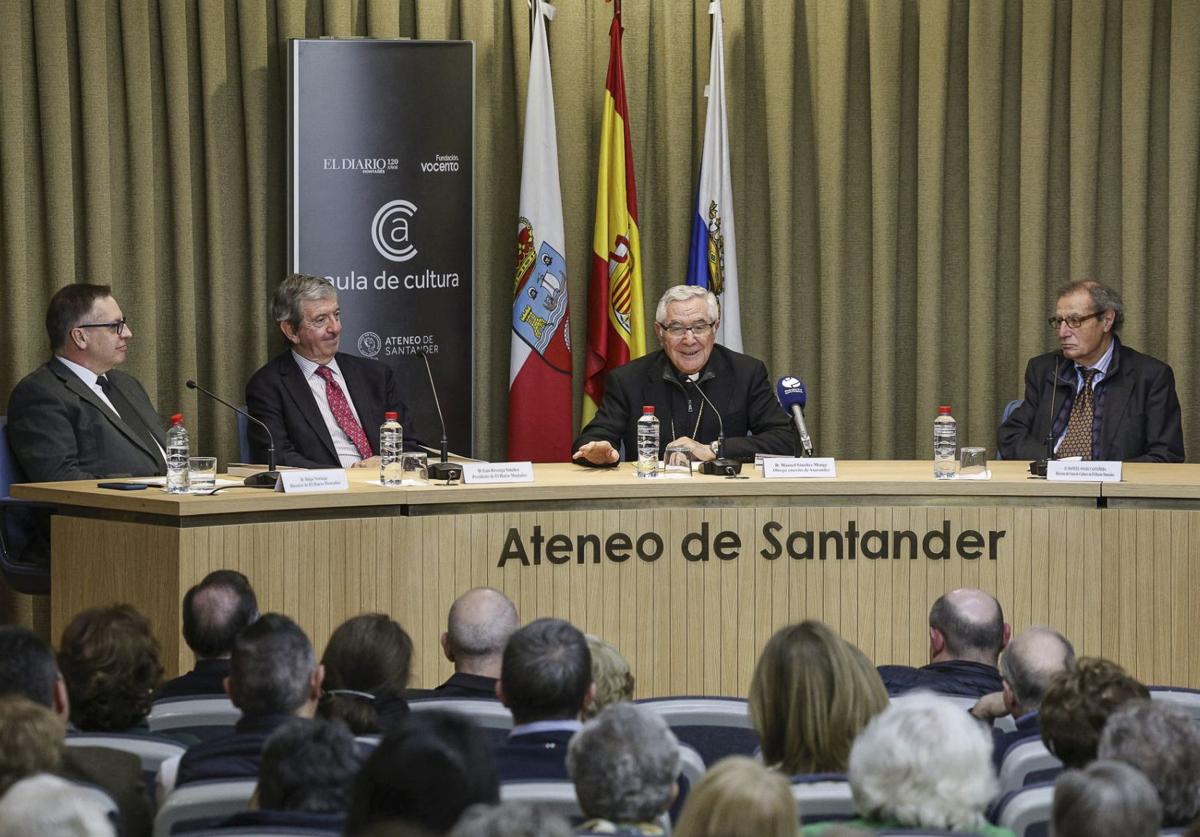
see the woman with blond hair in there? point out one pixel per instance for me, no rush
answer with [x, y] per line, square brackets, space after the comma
[739, 797]
[610, 673]
[811, 694]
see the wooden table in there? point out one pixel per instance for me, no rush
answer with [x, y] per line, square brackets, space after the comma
[687, 577]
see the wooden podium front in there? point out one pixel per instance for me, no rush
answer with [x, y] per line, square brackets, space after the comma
[688, 578]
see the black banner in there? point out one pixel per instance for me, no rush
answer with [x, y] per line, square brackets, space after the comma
[381, 177]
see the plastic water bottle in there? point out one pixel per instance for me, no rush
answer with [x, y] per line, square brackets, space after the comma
[647, 443]
[178, 451]
[945, 445]
[391, 445]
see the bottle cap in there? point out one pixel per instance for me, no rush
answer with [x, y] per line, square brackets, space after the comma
[944, 410]
[177, 418]
[390, 416]
[648, 410]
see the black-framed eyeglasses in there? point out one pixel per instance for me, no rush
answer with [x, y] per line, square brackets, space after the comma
[117, 326]
[677, 329]
[1073, 321]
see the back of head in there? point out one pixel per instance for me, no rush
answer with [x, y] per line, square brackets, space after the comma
[215, 611]
[972, 624]
[923, 763]
[110, 662]
[368, 657]
[479, 624]
[27, 665]
[69, 306]
[611, 674]
[1031, 661]
[45, 804]
[811, 694]
[271, 667]
[1163, 742]
[624, 763]
[547, 671]
[1077, 705]
[1106, 797]
[738, 797]
[308, 765]
[511, 819]
[31, 740]
[427, 772]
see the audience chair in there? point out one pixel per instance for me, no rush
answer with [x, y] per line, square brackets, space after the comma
[152, 750]
[1184, 698]
[1008, 411]
[204, 717]
[691, 765]
[266, 830]
[203, 801]
[715, 727]
[492, 715]
[1026, 812]
[19, 528]
[823, 796]
[555, 796]
[1023, 758]
[923, 832]
[243, 433]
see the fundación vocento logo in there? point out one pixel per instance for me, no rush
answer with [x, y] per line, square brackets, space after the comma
[790, 382]
[369, 344]
[389, 230]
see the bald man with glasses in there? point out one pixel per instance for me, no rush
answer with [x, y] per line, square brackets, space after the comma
[689, 360]
[1094, 398]
[76, 417]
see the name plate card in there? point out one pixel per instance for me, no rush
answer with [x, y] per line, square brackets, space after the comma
[489, 473]
[798, 468]
[1074, 470]
[308, 482]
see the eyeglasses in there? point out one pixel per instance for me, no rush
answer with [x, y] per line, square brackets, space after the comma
[1073, 321]
[676, 330]
[322, 321]
[117, 327]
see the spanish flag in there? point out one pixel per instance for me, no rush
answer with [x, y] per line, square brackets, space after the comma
[616, 331]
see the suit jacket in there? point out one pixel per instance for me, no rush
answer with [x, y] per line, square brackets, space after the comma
[1139, 421]
[60, 429]
[962, 678]
[117, 773]
[279, 396]
[234, 756]
[534, 755]
[737, 384]
[205, 680]
[466, 686]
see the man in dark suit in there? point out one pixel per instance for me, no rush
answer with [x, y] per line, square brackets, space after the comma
[28, 669]
[736, 384]
[76, 417]
[323, 407]
[480, 622]
[214, 612]
[1109, 402]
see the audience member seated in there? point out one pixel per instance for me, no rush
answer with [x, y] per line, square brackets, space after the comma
[480, 622]
[810, 695]
[304, 781]
[274, 677]
[1077, 704]
[214, 612]
[610, 673]
[546, 682]
[45, 805]
[922, 763]
[366, 672]
[738, 797]
[1163, 742]
[511, 819]
[31, 740]
[425, 773]
[28, 669]
[1027, 666]
[967, 632]
[110, 662]
[624, 763]
[1106, 797]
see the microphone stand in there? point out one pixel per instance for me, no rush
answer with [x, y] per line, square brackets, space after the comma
[444, 469]
[263, 479]
[1040, 467]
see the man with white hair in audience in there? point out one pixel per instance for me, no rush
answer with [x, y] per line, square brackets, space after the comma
[922, 763]
[1106, 797]
[478, 627]
[624, 763]
[1163, 742]
[47, 805]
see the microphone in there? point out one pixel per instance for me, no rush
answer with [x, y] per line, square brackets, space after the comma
[719, 466]
[444, 469]
[263, 479]
[1039, 467]
[792, 397]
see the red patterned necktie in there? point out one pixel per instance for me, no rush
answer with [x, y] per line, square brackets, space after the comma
[1078, 441]
[342, 414]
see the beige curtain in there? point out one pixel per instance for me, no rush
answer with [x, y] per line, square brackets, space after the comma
[913, 179]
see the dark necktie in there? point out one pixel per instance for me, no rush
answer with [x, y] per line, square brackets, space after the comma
[129, 415]
[1078, 441]
[342, 414]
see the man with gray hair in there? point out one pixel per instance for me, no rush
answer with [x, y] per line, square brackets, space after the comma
[1106, 797]
[323, 406]
[687, 382]
[624, 763]
[480, 622]
[1163, 742]
[1109, 402]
